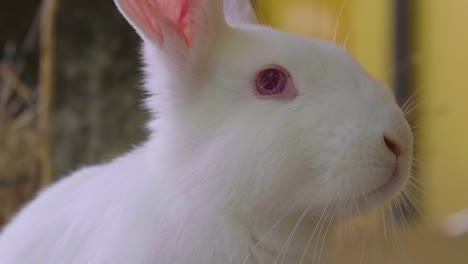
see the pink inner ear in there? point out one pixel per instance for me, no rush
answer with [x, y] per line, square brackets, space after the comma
[178, 12]
[154, 15]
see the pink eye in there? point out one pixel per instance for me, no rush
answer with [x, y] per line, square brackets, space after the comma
[274, 82]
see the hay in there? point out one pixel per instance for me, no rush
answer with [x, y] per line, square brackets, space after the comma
[18, 143]
[25, 120]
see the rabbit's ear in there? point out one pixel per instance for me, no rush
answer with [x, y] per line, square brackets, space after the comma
[240, 12]
[180, 28]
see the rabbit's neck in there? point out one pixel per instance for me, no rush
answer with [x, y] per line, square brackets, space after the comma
[226, 238]
[306, 236]
[259, 232]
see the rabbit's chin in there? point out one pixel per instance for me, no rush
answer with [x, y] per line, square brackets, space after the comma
[375, 197]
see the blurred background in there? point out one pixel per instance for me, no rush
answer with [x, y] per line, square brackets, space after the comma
[69, 97]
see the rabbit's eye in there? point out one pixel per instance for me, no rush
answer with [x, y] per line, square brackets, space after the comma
[274, 82]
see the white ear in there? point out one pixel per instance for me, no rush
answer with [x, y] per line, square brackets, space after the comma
[240, 12]
[181, 29]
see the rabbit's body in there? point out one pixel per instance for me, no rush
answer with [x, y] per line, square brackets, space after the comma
[146, 220]
[260, 139]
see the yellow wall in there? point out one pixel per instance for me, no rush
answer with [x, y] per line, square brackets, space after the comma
[371, 38]
[443, 81]
[365, 25]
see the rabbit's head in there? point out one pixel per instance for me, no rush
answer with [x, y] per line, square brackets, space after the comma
[259, 118]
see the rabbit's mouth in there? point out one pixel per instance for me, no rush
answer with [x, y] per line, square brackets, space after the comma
[384, 192]
[389, 188]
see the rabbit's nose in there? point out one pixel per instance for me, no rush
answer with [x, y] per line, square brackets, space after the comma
[392, 146]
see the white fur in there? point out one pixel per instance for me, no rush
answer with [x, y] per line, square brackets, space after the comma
[223, 166]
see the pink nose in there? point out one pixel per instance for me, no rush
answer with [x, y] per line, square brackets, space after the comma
[392, 146]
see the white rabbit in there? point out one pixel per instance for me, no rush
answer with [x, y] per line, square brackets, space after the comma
[258, 135]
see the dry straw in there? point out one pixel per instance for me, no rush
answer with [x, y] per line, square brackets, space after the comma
[26, 116]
